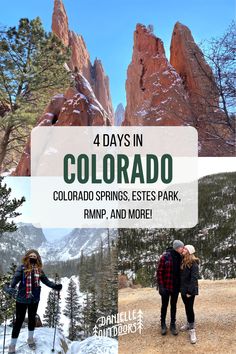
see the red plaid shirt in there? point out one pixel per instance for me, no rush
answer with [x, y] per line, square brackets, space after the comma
[165, 272]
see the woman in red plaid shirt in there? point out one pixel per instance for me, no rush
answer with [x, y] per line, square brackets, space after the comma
[28, 275]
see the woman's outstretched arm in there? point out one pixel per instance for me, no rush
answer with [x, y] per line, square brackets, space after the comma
[49, 283]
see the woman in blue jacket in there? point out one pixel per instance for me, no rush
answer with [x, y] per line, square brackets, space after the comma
[29, 276]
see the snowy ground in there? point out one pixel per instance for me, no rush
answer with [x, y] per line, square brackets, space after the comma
[94, 345]
[43, 338]
[44, 342]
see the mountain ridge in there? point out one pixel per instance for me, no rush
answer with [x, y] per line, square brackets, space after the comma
[69, 247]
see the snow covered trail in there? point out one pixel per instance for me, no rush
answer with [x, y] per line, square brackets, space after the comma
[44, 341]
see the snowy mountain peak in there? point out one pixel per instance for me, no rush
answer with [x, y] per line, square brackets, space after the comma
[14, 245]
[119, 114]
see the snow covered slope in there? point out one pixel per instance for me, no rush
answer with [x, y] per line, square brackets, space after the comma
[44, 341]
[13, 245]
[213, 237]
[71, 245]
[94, 345]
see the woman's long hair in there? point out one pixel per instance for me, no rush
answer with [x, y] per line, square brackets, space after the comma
[188, 260]
[28, 266]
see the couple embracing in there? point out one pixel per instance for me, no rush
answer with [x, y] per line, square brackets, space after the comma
[178, 271]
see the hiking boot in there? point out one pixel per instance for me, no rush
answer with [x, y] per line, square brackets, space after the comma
[163, 329]
[12, 349]
[192, 335]
[173, 329]
[184, 327]
[31, 343]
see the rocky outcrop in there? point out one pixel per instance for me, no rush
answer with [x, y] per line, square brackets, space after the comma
[119, 114]
[215, 136]
[100, 84]
[77, 107]
[189, 62]
[182, 92]
[80, 58]
[155, 92]
[60, 22]
[86, 104]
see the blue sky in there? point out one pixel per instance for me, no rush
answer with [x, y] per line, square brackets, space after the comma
[20, 187]
[107, 26]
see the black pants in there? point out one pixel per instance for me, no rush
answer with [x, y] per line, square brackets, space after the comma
[188, 303]
[20, 316]
[164, 305]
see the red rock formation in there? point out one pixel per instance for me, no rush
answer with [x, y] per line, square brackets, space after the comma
[80, 59]
[155, 92]
[77, 107]
[60, 22]
[89, 103]
[101, 88]
[198, 79]
[182, 92]
[189, 62]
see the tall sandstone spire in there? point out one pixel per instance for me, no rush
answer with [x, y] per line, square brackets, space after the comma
[180, 92]
[88, 103]
[188, 60]
[60, 24]
[155, 92]
[80, 58]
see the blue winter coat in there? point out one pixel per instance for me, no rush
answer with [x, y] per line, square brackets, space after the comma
[19, 277]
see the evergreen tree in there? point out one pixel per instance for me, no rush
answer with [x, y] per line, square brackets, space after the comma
[31, 70]
[53, 308]
[213, 236]
[8, 208]
[7, 304]
[89, 313]
[101, 285]
[92, 318]
[73, 311]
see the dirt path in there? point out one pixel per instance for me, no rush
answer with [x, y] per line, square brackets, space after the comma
[215, 310]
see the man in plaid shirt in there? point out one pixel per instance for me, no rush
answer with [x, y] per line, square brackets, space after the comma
[168, 280]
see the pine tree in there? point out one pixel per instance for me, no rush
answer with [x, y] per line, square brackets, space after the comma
[85, 315]
[8, 208]
[31, 70]
[52, 311]
[93, 311]
[7, 304]
[89, 313]
[73, 311]
[53, 308]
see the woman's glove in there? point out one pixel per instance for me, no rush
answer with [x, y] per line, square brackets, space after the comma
[10, 291]
[57, 287]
